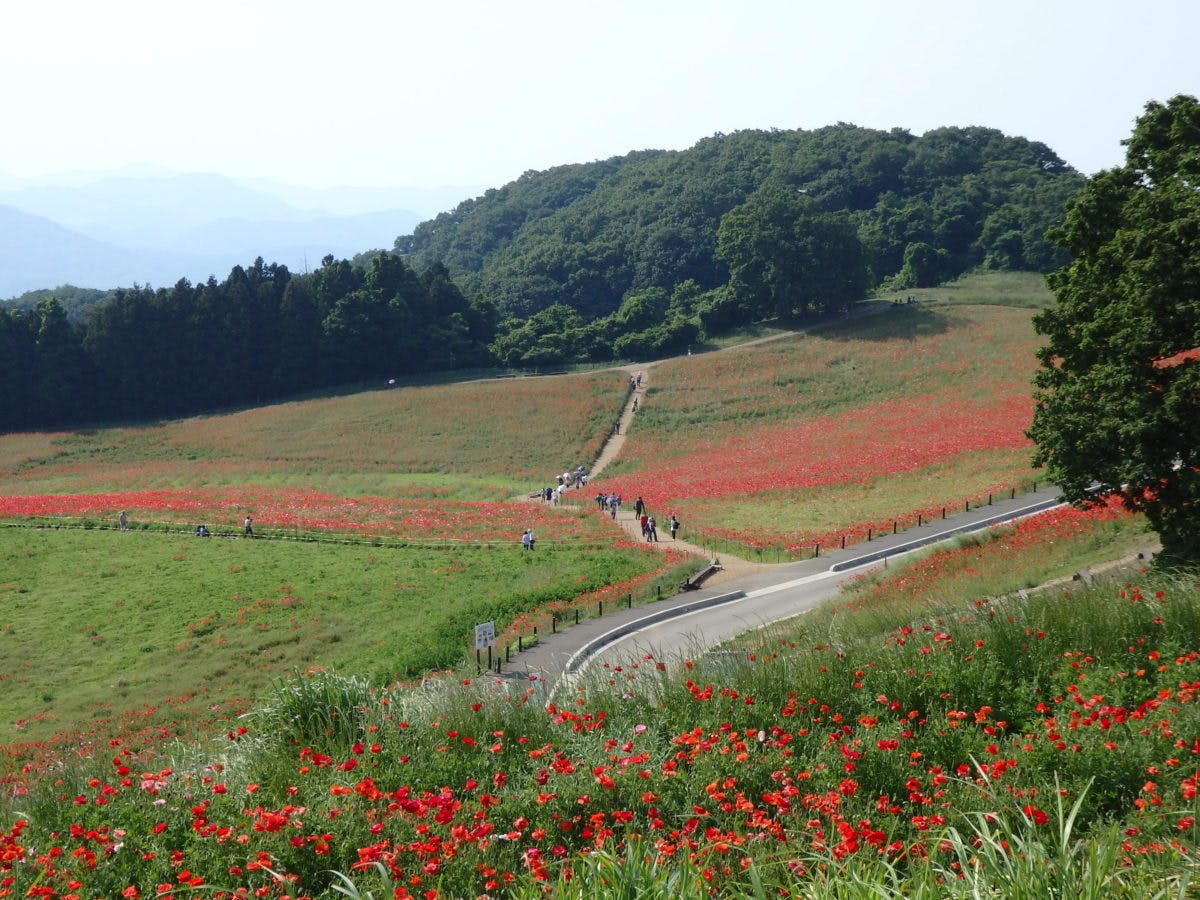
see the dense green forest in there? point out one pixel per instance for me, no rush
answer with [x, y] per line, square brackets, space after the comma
[923, 209]
[260, 334]
[629, 258]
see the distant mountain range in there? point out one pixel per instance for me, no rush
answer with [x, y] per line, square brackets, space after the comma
[150, 226]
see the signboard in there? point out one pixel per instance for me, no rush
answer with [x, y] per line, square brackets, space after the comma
[485, 635]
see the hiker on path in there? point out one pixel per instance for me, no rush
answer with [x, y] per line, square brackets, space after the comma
[673, 524]
[248, 527]
[527, 539]
[645, 521]
[652, 530]
[639, 506]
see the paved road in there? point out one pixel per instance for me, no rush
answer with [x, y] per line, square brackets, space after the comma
[688, 623]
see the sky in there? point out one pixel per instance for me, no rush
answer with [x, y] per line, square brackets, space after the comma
[472, 92]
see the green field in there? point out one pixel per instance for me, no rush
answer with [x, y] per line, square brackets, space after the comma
[95, 625]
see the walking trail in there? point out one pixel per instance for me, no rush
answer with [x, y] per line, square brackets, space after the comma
[732, 567]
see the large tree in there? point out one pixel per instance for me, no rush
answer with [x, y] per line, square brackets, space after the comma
[1118, 391]
[786, 255]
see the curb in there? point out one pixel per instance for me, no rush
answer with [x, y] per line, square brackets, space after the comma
[580, 656]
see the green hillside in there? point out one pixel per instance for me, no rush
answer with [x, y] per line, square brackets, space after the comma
[925, 208]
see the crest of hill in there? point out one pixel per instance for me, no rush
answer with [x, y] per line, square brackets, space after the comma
[589, 235]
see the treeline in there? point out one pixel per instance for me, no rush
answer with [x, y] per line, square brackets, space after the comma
[918, 210]
[261, 334]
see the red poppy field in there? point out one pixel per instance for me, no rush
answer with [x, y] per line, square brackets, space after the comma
[911, 750]
[805, 440]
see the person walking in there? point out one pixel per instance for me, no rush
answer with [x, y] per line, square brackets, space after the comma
[652, 530]
[645, 522]
[123, 521]
[248, 527]
[673, 524]
[639, 506]
[527, 539]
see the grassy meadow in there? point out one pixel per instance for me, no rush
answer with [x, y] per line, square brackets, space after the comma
[485, 440]
[106, 632]
[780, 445]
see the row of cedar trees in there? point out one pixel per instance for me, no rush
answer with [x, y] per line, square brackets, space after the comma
[262, 333]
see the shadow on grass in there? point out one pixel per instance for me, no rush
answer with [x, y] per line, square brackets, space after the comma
[904, 322]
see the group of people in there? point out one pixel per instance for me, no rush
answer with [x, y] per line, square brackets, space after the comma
[578, 479]
[609, 503]
[649, 525]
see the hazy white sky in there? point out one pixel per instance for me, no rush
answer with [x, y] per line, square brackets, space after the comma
[391, 92]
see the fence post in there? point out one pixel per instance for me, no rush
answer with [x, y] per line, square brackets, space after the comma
[1035, 485]
[893, 526]
[943, 512]
[1012, 493]
[868, 534]
[553, 623]
[629, 597]
[489, 657]
[520, 643]
[816, 549]
[966, 506]
[478, 668]
[918, 520]
[989, 499]
[507, 647]
[843, 542]
[600, 603]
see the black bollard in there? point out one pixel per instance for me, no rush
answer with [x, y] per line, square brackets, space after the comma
[893, 526]
[520, 643]
[918, 520]
[816, 549]
[868, 534]
[577, 615]
[843, 542]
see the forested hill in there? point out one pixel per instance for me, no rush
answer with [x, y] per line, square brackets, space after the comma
[589, 235]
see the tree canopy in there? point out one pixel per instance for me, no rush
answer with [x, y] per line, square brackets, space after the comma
[1118, 391]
